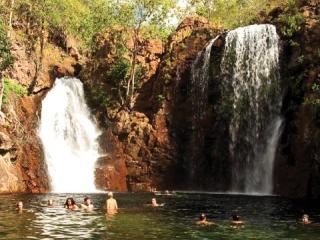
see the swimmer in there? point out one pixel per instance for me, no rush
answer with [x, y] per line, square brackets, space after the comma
[154, 203]
[50, 203]
[305, 219]
[111, 204]
[70, 204]
[203, 220]
[236, 221]
[87, 204]
[19, 206]
[167, 193]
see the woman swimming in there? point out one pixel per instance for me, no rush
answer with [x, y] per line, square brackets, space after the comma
[70, 204]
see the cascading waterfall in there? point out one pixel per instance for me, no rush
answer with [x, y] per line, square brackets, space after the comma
[199, 80]
[250, 67]
[69, 137]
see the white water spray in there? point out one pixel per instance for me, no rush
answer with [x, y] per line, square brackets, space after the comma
[69, 137]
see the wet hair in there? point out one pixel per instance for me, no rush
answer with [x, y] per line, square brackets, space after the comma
[72, 201]
[202, 217]
[86, 198]
[305, 216]
[235, 218]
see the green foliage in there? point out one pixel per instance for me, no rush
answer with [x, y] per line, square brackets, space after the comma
[314, 98]
[291, 19]
[98, 96]
[12, 88]
[160, 98]
[230, 13]
[6, 59]
[293, 43]
[119, 71]
[292, 23]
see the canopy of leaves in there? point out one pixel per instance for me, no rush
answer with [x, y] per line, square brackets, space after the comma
[6, 58]
[232, 13]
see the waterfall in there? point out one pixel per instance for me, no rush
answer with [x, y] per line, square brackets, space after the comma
[250, 67]
[199, 82]
[198, 91]
[69, 137]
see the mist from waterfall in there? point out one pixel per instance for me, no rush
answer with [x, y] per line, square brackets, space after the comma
[250, 67]
[69, 137]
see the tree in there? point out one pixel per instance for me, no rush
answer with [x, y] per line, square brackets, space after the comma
[6, 59]
[229, 13]
[137, 16]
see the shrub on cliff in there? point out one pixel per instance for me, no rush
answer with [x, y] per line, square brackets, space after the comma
[12, 88]
[6, 58]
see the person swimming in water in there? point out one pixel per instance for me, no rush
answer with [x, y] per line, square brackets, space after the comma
[236, 221]
[70, 204]
[50, 202]
[203, 220]
[305, 219]
[19, 206]
[154, 203]
[111, 204]
[87, 204]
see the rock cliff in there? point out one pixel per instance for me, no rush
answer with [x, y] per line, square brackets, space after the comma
[22, 164]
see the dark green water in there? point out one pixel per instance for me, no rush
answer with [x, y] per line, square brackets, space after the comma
[266, 218]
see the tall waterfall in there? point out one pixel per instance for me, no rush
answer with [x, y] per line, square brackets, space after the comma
[250, 67]
[199, 81]
[69, 137]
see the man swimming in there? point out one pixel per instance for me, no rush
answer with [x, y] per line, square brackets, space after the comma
[19, 206]
[111, 204]
[305, 219]
[203, 220]
[236, 221]
[50, 202]
[87, 204]
[154, 203]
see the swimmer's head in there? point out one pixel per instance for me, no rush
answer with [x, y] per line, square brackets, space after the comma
[235, 218]
[202, 217]
[305, 218]
[110, 194]
[70, 202]
[87, 200]
[50, 202]
[20, 205]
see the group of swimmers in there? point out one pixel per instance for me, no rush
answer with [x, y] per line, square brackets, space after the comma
[111, 207]
[237, 222]
[70, 204]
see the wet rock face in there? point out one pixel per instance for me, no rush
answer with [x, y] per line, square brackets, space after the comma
[22, 163]
[142, 145]
[132, 149]
[21, 158]
[9, 177]
[297, 172]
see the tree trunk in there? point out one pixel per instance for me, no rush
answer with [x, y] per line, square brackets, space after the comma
[133, 75]
[1, 90]
[10, 18]
[38, 61]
